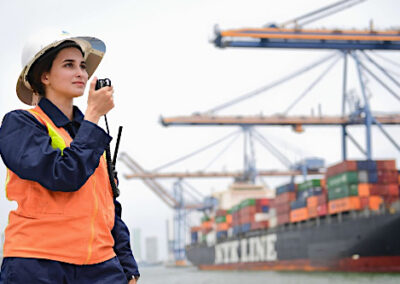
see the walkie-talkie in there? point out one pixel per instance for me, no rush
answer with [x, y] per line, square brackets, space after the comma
[112, 174]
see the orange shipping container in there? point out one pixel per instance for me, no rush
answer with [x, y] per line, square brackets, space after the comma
[300, 214]
[375, 202]
[312, 212]
[344, 204]
[363, 189]
[312, 201]
[206, 225]
[222, 227]
[229, 219]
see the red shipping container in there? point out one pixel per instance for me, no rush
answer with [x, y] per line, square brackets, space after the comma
[393, 190]
[364, 202]
[386, 164]
[378, 189]
[262, 202]
[322, 199]
[283, 208]
[259, 225]
[322, 209]
[220, 212]
[285, 197]
[345, 166]
[283, 218]
[387, 177]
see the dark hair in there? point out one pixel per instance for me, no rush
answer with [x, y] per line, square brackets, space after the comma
[44, 64]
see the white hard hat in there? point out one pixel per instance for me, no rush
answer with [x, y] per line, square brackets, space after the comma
[42, 42]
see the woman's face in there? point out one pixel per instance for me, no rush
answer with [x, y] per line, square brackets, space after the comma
[68, 76]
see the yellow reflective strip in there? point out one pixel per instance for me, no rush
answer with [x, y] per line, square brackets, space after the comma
[57, 142]
[92, 228]
[7, 181]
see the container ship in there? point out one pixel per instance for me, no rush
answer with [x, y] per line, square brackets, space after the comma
[349, 220]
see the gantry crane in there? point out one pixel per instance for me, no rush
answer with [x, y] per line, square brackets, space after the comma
[346, 44]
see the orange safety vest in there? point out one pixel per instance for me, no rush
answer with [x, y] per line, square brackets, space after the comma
[73, 227]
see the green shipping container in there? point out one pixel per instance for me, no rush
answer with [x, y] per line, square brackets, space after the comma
[342, 191]
[205, 219]
[342, 179]
[235, 208]
[308, 184]
[247, 202]
[220, 219]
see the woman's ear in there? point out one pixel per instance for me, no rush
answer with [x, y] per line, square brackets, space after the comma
[45, 78]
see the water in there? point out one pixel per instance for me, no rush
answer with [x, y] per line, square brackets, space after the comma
[191, 275]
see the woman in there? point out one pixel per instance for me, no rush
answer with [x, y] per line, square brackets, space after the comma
[67, 227]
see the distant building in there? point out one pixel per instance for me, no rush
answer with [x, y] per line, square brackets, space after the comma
[151, 250]
[136, 244]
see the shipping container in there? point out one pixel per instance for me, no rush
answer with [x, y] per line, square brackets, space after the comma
[261, 225]
[299, 203]
[344, 204]
[261, 217]
[342, 179]
[286, 197]
[367, 176]
[386, 164]
[298, 215]
[309, 184]
[342, 191]
[367, 165]
[322, 209]
[312, 211]
[375, 202]
[289, 187]
[345, 166]
[247, 202]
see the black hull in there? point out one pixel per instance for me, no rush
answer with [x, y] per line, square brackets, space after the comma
[352, 241]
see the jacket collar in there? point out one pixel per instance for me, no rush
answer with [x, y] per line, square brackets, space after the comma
[56, 115]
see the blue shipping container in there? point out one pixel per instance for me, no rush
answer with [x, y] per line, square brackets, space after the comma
[222, 235]
[285, 188]
[237, 230]
[367, 165]
[299, 203]
[246, 227]
[315, 191]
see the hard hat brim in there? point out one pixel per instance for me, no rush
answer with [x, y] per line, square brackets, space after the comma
[92, 47]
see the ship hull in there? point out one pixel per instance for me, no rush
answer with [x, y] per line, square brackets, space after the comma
[348, 242]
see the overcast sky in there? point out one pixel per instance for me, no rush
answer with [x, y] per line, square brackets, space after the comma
[161, 63]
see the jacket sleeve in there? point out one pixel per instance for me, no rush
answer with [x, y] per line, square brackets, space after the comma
[122, 247]
[25, 147]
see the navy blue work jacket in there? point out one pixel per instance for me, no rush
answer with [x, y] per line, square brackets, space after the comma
[22, 136]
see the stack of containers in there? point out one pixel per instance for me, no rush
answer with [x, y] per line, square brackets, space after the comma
[247, 212]
[354, 185]
[194, 234]
[285, 194]
[342, 185]
[306, 203]
[378, 183]
[206, 227]
[316, 197]
[223, 221]
[236, 227]
[261, 217]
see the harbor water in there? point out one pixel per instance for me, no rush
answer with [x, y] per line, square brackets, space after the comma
[191, 275]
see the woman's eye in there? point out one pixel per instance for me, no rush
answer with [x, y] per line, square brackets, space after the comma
[69, 65]
[83, 66]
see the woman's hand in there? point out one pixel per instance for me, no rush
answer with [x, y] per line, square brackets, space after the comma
[100, 102]
[133, 281]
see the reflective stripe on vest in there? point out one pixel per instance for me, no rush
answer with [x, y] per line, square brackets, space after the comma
[57, 142]
[73, 227]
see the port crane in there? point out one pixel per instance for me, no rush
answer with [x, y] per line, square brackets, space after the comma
[347, 44]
